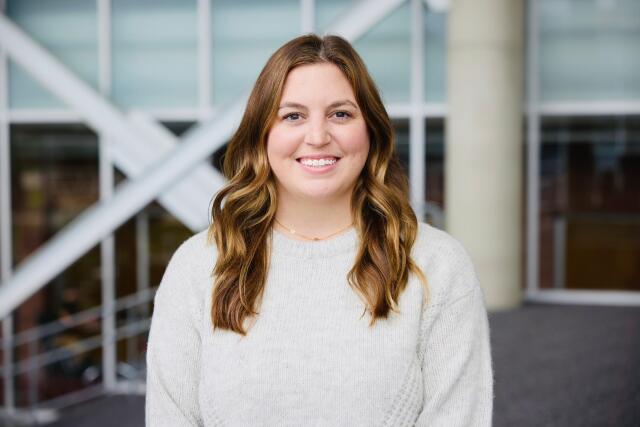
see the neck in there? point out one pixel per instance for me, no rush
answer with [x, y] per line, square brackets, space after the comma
[311, 218]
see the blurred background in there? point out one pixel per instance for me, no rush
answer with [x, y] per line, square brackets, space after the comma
[518, 123]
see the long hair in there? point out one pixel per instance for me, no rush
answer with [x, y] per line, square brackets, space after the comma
[382, 215]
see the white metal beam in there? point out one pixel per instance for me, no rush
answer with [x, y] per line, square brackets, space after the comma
[204, 58]
[101, 219]
[587, 297]
[307, 16]
[6, 239]
[166, 169]
[417, 140]
[438, 5]
[108, 276]
[587, 108]
[107, 179]
[203, 180]
[131, 152]
[63, 115]
[427, 110]
[533, 152]
[104, 46]
[362, 17]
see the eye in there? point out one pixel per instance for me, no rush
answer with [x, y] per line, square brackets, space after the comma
[342, 114]
[291, 117]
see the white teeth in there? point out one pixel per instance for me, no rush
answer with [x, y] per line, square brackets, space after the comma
[317, 162]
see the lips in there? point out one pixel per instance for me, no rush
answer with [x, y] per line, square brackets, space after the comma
[337, 159]
[318, 157]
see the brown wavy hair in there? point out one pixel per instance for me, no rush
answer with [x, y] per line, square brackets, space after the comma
[382, 215]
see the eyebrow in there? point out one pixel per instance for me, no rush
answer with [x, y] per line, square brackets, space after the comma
[333, 105]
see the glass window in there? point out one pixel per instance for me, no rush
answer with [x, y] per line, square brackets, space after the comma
[143, 246]
[385, 48]
[590, 203]
[245, 34]
[147, 241]
[434, 187]
[328, 11]
[155, 61]
[54, 175]
[401, 127]
[435, 56]
[589, 50]
[67, 29]
[434, 165]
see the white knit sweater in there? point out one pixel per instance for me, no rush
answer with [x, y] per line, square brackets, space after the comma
[311, 358]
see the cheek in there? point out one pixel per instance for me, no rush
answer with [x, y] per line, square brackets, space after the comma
[357, 142]
[280, 143]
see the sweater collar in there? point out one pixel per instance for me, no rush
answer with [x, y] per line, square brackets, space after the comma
[340, 244]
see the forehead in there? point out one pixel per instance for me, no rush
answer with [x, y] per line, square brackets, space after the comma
[317, 82]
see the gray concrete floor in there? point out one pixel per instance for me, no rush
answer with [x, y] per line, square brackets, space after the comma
[567, 366]
[554, 366]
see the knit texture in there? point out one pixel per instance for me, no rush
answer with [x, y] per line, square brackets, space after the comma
[311, 358]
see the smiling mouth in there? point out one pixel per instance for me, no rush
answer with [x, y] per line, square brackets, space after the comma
[320, 165]
[326, 161]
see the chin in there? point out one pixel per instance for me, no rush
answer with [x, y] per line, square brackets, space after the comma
[319, 195]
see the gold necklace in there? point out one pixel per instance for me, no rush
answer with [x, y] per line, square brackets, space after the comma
[292, 231]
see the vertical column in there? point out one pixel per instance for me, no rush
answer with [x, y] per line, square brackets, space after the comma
[533, 151]
[417, 140]
[484, 142]
[204, 59]
[6, 260]
[104, 46]
[107, 258]
[307, 16]
[107, 245]
[142, 309]
[142, 258]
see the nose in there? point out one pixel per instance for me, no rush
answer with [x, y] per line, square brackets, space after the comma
[317, 133]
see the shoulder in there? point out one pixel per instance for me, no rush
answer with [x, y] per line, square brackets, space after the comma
[446, 263]
[195, 254]
[190, 266]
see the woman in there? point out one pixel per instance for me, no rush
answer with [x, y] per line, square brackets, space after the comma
[307, 301]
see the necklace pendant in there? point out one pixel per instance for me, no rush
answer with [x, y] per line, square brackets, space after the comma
[315, 239]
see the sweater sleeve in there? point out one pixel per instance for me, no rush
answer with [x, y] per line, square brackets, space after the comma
[173, 349]
[456, 364]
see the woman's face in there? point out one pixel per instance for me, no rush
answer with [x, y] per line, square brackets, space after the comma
[318, 143]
